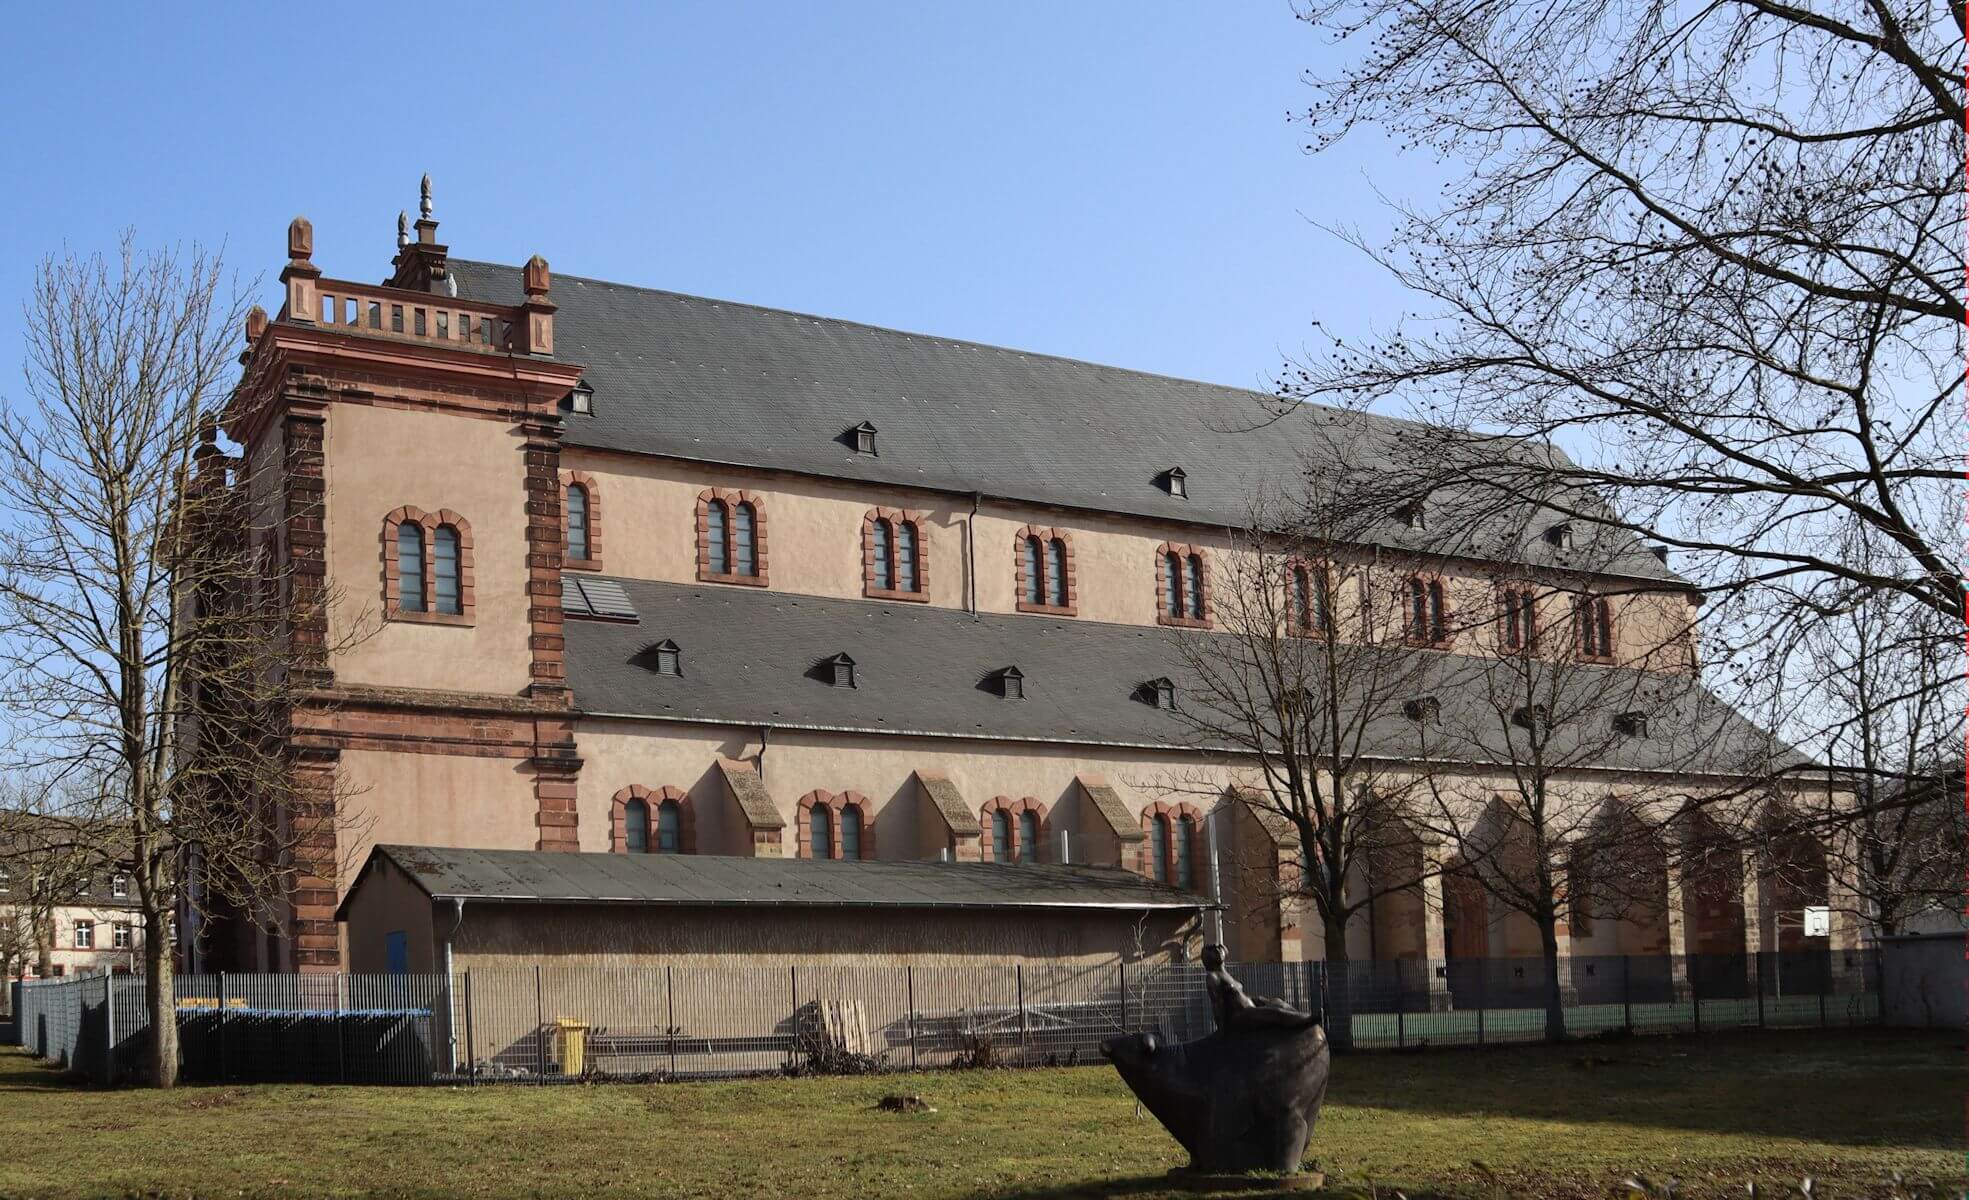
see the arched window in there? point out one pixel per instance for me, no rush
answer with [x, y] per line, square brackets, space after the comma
[635, 827]
[745, 549]
[1195, 581]
[410, 567]
[1302, 598]
[444, 570]
[1428, 619]
[669, 827]
[1001, 836]
[1172, 565]
[1185, 854]
[906, 556]
[1035, 577]
[1159, 847]
[1596, 627]
[1056, 571]
[1028, 836]
[577, 522]
[820, 832]
[885, 569]
[1520, 620]
[851, 833]
[718, 549]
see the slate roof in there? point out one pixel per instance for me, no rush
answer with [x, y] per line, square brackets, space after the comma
[715, 381]
[749, 658]
[549, 877]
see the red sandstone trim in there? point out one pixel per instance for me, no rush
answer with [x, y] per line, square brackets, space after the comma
[835, 804]
[1046, 538]
[1316, 570]
[618, 818]
[586, 482]
[1170, 814]
[1163, 583]
[1419, 638]
[1586, 607]
[731, 499]
[1012, 810]
[897, 518]
[429, 523]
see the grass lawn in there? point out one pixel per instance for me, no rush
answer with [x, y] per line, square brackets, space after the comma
[1846, 1106]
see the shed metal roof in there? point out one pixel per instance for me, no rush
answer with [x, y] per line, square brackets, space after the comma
[548, 877]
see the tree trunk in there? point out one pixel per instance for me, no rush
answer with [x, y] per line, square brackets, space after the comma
[1555, 1001]
[1338, 1017]
[159, 999]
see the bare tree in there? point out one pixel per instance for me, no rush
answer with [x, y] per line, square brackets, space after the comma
[1298, 680]
[1711, 249]
[145, 661]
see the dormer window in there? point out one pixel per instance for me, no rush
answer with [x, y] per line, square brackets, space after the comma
[1176, 482]
[841, 671]
[1161, 693]
[669, 658]
[1410, 515]
[1012, 683]
[1631, 724]
[1560, 535]
[581, 401]
[1535, 717]
[862, 437]
[1423, 708]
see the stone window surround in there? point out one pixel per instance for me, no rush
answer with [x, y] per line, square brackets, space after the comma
[585, 481]
[896, 517]
[1420, 638]
[732, 499]
[1013, 809]
[1184, 811]
[1047, 536]
[618, 842]
[1585, 607]
[1522, 600]
[1185, 553]
[429, 523]
[1316, 569]
[821, 798]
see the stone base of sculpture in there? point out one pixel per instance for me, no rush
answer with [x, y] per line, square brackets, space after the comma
[1244, 1098]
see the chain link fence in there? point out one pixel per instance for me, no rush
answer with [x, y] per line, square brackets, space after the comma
[552, 1023]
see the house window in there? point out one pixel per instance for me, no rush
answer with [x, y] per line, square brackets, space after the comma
[635, 827]
[1159, 847]
[1312, 598]
[717, 518]
[577, 522]
[119, 886]
[410, 567]
[1520, 620]
[669, 827]
[851, 832]
[1428, 616]
[1595, 620]
[1001, 836]
[120, 935]
[1045, 565]
[1028, 837]
[885, 556]
[1183, 586]
[444, 570]
[820, 832]
[731, 538]
[1185, 876]
[85, 935]
[892, 556]
[745, 540]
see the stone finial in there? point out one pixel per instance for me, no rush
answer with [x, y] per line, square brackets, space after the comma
[535, 280]
[300, 239]
[256, 323]
[403, 228]
[424, 197]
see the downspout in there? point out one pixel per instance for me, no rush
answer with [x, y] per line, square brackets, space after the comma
[971, 551]
[451, 1025]
[765, 735]
[1211, 823]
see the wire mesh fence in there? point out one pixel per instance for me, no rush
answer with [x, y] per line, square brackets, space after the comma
[547, 1023]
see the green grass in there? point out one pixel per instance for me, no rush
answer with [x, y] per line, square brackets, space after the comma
[1847, 1106]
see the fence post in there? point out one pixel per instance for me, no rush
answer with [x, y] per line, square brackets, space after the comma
[670, 1016]
[1124, 995]
[223, 1023]
[109, 1028]
[539, 1025]
[909, 981]
[1759, 956]
[1695, 992]
[1483, 995]
[1825, 984]
[793, 1014]
[471, 1044]
[1025, 1051]
[1627, 992]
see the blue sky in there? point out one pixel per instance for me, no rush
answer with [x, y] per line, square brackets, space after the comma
[1111, 182]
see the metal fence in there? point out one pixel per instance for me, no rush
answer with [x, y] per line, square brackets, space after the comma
[548, 1023]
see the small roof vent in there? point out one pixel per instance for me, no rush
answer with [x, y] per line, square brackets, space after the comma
[1631, 724]
[1012, 683]
[1176, 482]
[1422, 708]
[840, 671]
[1159, 692]
[1410, 514]
[666, 658]
[1560, 535]
[862, 438]
[1535, 717]
[581, 400]
[1660, 552]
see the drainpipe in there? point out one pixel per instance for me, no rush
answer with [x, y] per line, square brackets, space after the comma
[451, 1024]
[765, 734]
[1211, 822]
[971, 550]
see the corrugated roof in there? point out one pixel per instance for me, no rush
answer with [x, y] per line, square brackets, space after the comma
[748, 654]
[539, 876]
[716, 381]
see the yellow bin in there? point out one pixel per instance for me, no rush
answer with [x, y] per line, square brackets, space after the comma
[573, 1036]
